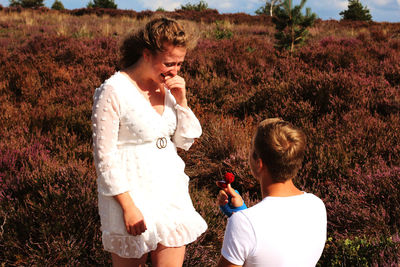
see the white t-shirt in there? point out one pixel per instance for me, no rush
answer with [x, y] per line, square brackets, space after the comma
[278, 231]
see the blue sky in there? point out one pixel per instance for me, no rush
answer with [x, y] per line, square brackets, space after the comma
[381, 10]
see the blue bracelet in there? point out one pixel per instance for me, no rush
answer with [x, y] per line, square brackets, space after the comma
[228, 210]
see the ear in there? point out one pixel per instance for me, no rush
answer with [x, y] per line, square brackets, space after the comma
[146, 54]
[259, 166]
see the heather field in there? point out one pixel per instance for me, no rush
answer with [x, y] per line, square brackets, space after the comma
[342, 88]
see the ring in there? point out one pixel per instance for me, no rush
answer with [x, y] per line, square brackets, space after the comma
[161, 142]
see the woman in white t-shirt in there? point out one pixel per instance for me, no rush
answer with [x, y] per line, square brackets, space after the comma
[288, 227]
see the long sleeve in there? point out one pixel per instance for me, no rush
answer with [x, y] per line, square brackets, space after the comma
[105, 125]
[188, 128]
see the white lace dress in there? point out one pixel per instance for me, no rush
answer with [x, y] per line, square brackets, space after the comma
[135, 151]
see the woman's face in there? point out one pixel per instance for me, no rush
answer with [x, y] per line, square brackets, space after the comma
[166, 64]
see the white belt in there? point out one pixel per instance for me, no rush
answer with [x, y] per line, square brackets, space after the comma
[160, 143]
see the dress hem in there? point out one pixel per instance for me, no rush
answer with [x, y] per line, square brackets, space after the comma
[126, 244]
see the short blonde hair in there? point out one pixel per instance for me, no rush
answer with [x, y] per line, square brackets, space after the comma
[281, 147]
[152, 36]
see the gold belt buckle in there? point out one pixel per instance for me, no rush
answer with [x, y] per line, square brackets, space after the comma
[161, 142]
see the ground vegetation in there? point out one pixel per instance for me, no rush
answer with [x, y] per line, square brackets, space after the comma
[342, 88]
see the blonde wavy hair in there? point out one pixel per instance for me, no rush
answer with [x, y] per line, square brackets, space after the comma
[281, 147]
[152, 36]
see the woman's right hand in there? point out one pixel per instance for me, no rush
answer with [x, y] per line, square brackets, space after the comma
[134, 221]
[133, 217]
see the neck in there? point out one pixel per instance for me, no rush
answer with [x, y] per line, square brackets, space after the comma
[280, 189]
[138, 74]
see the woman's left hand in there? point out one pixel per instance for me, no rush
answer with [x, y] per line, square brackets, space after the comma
[177, 86]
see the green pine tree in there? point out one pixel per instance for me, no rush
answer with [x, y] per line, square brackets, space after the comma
[57, 5]
[102, 4]
[291, 25]
[356, 11]
[202, 5]
[27, 3]
[270, 7]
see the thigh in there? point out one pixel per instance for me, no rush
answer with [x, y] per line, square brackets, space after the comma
[168, 256]
[118, 261]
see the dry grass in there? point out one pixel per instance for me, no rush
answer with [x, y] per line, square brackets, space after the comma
[107, 26]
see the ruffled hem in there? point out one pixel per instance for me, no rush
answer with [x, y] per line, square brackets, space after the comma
[127, 246]
[187, 231]
[168, 235]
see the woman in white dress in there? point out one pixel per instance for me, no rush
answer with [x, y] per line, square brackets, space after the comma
[140, 116]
